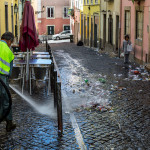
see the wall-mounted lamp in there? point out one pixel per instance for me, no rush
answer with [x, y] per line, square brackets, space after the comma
[89, 8]
[15, 9]
[109, 10]
[38, 12]
[103, 11]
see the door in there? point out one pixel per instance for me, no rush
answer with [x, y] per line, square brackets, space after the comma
[91, 32]
[95, 35]
[50, 30]
[117, 32]
[82, 27]
[110, 29]
[88, 31]
[68, 34]
[104, 30]
[84, 30]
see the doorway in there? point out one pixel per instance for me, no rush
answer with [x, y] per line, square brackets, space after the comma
[87, 31]
[104, 30]
[84, 30]
[110, 29]
[82, 27]
[91, 32]
[117, 32]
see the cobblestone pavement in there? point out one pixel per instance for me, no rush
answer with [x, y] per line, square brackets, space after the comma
[37, 124]
[34, 130]
[128, 126]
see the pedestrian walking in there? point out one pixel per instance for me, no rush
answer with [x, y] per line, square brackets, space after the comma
[126, 42]
[6, 65]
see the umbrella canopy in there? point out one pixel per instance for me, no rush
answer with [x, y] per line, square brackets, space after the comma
[28, 34]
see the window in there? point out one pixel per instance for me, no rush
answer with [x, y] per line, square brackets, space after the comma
[66, 27]
[66, 12]
[139, 21]
[50, 12]
[6, 17]
[87, 1]
[96, 1]
[51, 30]
[91, 1]
[127, 22]
[84, 2]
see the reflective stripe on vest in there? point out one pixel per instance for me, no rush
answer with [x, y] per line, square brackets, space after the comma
[4, 72]
[4, 62]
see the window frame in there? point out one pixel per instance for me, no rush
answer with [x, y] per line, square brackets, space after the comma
[129, 24]
[96, 1]
[50, 12]
[67, 16]
[50, 26]
[137, 25]
[6, 18]
[64, 27]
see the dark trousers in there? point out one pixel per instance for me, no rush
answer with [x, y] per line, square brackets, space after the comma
[4, 99]
[126, 58]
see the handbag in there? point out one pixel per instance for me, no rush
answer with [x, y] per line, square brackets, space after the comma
[129, 47]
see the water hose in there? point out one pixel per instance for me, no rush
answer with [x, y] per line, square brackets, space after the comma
[10, 100]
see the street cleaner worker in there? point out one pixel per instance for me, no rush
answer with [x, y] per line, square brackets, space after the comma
[6, 65]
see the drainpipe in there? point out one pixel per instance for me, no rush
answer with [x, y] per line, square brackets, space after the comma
[120, 28]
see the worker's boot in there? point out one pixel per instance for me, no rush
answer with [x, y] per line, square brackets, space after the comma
[10, 126]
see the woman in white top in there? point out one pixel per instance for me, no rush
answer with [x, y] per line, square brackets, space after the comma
[126, 52]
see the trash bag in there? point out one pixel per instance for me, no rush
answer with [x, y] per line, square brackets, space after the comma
[80, 43]
[122, 55]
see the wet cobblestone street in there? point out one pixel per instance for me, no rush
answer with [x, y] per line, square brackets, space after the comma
[128, 127]
[125, 126]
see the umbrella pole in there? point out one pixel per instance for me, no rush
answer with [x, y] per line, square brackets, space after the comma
[27, 71]
[27, 67]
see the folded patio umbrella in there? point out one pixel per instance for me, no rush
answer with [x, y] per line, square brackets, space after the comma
[28, 34]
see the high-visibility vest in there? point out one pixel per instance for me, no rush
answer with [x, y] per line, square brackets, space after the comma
[6, 56]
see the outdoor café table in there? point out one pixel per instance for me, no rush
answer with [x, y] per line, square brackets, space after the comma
[41, 63]
[19, 56]
[40, 53]
[40, 57]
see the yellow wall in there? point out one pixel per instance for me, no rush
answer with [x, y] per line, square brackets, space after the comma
[114, 8]
[93, 11]
[2, 15]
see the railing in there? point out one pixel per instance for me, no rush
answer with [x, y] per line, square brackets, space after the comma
[56, 89]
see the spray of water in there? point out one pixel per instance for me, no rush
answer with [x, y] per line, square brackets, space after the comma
[46, 109]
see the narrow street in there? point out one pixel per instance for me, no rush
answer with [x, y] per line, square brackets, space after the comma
[126, 126]
[104, 106]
